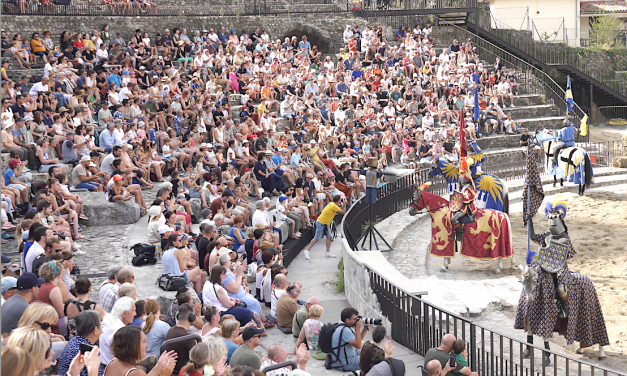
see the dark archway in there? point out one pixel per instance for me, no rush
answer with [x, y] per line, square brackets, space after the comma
[315, 40]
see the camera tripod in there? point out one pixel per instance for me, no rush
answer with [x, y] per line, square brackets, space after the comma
[371, 232]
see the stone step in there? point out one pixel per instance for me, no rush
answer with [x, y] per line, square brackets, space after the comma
[599, 172]
[528, 99]
[531, 111]
[599, 181]
[498, 142]
[101, 211]
[551, 122]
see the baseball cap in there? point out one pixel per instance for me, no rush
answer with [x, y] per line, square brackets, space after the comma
[205, 213]
[8, 283]
[282, 198]
[29, 280]
[165, 228]
[85, 158]
[116, 178]
[250, 332]
[95, 153]
[5, 259]
[14, 162]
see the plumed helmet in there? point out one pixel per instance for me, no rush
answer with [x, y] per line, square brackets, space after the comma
[556, 208]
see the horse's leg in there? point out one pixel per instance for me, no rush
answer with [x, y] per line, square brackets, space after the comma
[445, 264]
[527, 351]
[499, 267]
[513, 261]
[601, 353]
[561, 182]
[554, 181]
[547, 356]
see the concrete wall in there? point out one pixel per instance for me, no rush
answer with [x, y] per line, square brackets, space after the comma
[357, 287]
[546, 15]
[325, 30]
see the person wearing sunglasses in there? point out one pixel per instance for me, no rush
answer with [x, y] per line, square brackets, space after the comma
[245, 354]
[36, 343]
[43, 316]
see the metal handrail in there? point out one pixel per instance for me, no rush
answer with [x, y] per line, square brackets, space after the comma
[553, 53]
[407, 311]
[538, 81]
[613, 112]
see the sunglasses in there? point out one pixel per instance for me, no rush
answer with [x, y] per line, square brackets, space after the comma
[46, 326]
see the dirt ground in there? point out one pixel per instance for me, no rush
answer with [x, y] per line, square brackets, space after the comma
[597, 227]
[607, 133]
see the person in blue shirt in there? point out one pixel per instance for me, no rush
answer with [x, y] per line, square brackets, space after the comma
[304, 43]
[223, 37]
[108, 139]
[356, 72]
[114, 77]
[566, 137]
[347, 341]
[341, 86]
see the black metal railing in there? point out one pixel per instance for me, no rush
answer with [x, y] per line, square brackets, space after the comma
[602, 153]
[187, 9]
[373, 8]
[531, 79]
[553, 53]
[419, 325]
[616, 114]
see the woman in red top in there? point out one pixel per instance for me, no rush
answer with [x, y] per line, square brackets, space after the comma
[49, 293]
[199, 357]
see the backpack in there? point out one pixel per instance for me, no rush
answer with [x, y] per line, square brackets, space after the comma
[325, 338]
[397, 366]
[171, 282]
[140, 248]
[145, 258]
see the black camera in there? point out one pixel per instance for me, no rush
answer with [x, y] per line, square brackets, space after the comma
[369, 321]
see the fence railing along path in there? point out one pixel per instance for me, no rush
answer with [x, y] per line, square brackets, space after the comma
[419, 325]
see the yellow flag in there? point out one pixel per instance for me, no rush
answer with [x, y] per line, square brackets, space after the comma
[584, 126]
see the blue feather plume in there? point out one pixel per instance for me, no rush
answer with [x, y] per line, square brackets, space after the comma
[531, 255]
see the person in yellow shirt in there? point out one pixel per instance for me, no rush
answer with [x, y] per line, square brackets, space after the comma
[323, 224]
[38, 47]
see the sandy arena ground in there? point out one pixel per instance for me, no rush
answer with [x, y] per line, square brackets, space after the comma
[597, 227]
[607, 133]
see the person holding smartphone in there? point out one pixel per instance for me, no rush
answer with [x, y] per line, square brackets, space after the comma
[444, 355]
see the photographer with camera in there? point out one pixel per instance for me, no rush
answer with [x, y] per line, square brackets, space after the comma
[324, 221]
[345, 342]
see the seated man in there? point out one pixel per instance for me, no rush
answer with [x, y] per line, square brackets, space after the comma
[442, 354]
[277, 354]
[186, 317]
[347, 341]
[286, 308]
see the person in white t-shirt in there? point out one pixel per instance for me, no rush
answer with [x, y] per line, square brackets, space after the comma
[505, 91]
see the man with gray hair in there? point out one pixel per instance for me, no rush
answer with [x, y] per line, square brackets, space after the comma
[122, 314]
[108, 139]
[125, 275]
[88, 328]
[277, 354]
[261, 219]
[109, 283]
[301, 315]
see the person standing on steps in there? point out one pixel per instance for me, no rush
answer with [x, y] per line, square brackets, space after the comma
[323, 224]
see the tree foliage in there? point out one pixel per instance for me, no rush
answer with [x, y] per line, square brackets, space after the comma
[604, 30]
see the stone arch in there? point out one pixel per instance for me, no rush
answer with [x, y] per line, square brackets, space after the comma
[314, 36]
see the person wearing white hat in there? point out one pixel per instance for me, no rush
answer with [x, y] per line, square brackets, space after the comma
[155, 221]
[83, 178]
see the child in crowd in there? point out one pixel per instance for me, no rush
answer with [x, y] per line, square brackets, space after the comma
[461, 355]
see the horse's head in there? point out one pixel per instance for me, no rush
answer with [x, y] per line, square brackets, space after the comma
[436, 168]
[418, 203]
[529, 279]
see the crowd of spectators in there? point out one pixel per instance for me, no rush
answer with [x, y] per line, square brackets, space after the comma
[231, 120]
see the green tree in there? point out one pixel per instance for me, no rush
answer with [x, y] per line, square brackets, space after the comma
[604, 30]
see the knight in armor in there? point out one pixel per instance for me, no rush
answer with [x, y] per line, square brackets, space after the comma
[566, 138]
[555, 249]
[467, 194]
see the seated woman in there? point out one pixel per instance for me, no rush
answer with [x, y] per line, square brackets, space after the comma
[371, 352]
[46, 163]
[43, 316]
[128, 348]
[215, 295]
[46, 216]
[263, 175]
[36, 343]
[175, 263]
[50, 294]
[61, 206]
[311, 332]
[233, 283]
